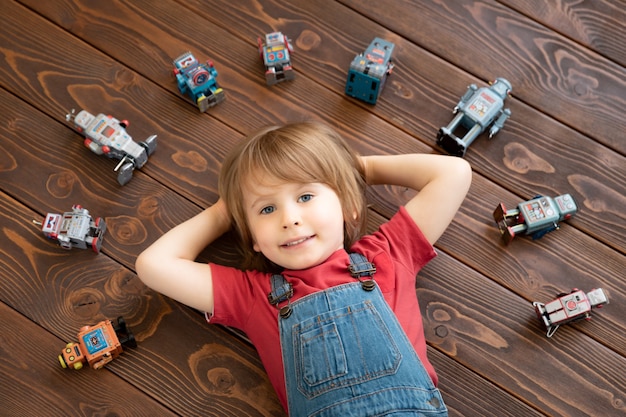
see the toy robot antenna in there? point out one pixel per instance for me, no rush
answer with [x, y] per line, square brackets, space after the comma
[70, 116]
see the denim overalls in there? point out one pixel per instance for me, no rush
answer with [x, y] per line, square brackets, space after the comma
[345, 353]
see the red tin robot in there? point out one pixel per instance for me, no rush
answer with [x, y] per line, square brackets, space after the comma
[569, 307]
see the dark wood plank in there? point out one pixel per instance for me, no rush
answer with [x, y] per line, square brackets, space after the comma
[475, 297]
[34, 384]
[62, 291]
[529, 158]
[598, 25]
[538, 270]
[497, 334]
[558, 76]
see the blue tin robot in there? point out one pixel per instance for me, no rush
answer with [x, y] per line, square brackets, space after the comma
[477, 110]
[369, 70]
[198, 81]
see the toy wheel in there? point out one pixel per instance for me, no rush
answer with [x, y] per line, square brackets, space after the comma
[78, 365]
[63, 364]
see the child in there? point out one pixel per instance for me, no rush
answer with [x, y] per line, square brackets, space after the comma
[295, 195]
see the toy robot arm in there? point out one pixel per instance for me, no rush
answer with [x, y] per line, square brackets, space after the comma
[471, 89]
[93, 146]
[504, 115]
[106, 358]
[64, 241]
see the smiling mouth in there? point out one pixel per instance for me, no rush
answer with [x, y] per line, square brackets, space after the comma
[296, 242]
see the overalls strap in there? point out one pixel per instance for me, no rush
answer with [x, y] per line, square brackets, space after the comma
[359, 267]
[345, 353]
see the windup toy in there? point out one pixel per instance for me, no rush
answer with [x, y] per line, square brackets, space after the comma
[570, 307]
[198, 81]
[478, 109]
[74, 228]
[97, 345]
[369, 71]
[534, 217]
[105, 135]
[276, 55]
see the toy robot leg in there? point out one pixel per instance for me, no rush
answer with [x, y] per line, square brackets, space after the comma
[203, 103]
[471, 135]
[450, 143]
[499, 214]
[220, 95]
[270, 76]
[125, 173]
[101, 225]
[150, 144]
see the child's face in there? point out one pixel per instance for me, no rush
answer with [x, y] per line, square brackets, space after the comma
[294, 225]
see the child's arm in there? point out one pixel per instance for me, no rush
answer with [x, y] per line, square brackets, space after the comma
[441, 181]
[168, 265]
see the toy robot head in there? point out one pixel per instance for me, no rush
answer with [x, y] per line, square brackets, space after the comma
[501, 87]
[72, 356]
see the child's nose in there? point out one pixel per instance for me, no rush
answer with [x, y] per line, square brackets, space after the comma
[291, 218]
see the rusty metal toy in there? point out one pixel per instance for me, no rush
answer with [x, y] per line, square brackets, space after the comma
[369, 71]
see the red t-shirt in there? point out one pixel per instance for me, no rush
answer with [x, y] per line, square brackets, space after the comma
[398, 250]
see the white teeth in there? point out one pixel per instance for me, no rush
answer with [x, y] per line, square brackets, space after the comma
[296, 242]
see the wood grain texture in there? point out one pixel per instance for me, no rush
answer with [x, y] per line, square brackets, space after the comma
[30, 375]
[599, 27]
[570, 83]
[565, 135]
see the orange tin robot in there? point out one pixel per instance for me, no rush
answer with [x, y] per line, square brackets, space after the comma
[97, 345]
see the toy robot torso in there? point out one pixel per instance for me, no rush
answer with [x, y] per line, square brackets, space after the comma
[107, 131]
[483, 107]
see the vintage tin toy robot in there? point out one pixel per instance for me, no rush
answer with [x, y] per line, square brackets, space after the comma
[478, 109]
[198, 81]
[567, 308]
[97, 345]
[74, 228]
[369, 71]
[534, 217]
[105, 135]
[276, 55]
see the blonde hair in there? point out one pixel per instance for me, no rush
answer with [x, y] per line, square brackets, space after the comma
[306, 152]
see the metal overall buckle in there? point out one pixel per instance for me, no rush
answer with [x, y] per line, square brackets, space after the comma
[282, 290]
[361, 267]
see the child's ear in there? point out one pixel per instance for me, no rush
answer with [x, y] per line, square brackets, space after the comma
[355, 215]
[256, 247]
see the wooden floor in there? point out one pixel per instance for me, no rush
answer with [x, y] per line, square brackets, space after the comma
[566, 61]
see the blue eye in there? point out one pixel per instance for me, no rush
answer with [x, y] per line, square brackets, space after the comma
[268, 210]
[304, 198]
